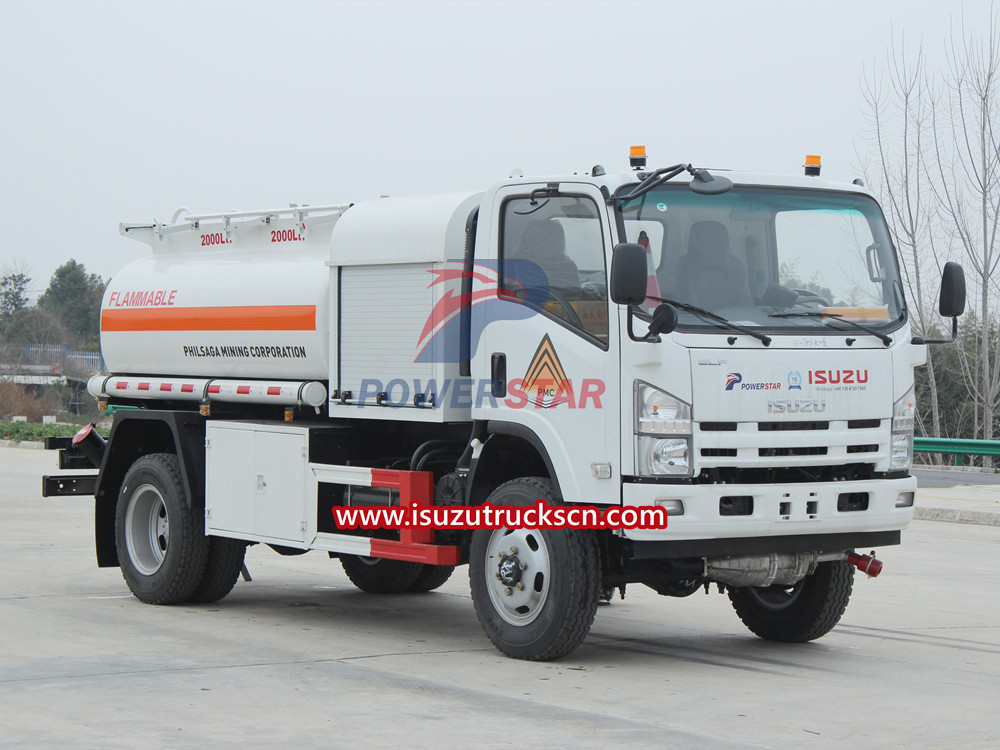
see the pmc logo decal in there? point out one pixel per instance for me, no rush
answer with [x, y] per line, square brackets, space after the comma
[732, 379]
[545, 378]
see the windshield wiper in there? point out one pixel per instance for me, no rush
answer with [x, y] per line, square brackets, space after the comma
[718, 318]
[840, 318]
[702, 182]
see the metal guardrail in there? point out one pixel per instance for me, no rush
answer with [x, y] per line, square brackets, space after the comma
[959, 447]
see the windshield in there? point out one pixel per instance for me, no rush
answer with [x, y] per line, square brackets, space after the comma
[755, 254]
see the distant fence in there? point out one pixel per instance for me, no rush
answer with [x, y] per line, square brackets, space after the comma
[57, 358]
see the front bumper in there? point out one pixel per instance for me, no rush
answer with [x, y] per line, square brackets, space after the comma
[784, 510]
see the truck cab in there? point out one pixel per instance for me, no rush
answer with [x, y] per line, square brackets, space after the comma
[780, 403]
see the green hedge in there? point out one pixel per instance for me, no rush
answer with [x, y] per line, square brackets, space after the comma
[37, 432]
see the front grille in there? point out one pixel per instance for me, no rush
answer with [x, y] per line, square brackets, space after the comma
[864, 424]
[796, 451]
[791, 426]
[718, 426]
[786, 474]
[871, 448]
[718, 452]
[817, 450]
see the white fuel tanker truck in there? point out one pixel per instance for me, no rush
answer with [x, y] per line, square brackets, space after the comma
[731, 350]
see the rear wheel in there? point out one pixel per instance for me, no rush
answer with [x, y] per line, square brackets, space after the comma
[225, 561]
[796, 614]
[162, 548]
[431, 577]
[379, 575]
[535, 590]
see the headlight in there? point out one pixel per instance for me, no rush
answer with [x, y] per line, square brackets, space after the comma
[659, 413]
[902, 451]
[669, 456]
[903, 412]
[662, 433]
[901, 448]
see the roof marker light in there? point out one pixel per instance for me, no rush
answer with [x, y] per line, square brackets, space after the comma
[637, 157]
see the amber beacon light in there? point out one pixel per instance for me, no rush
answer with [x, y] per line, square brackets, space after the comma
[637, 157]
[812, 165]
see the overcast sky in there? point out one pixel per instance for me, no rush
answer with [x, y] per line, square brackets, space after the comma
[124, 111]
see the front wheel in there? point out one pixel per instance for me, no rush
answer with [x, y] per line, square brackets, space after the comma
[162, 548]
[535, 591]
[796, 614]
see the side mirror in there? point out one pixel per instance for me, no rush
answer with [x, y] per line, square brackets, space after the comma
[629, 275]
[951, 304]
[952, 301]
[704, 183]
[664, 320]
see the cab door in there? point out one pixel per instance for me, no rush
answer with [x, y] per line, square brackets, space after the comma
[548, 339]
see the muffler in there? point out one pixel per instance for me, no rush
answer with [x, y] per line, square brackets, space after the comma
[784, 568]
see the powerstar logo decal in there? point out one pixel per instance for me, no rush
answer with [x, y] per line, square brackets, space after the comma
[485, 296]
[471, 296]
[735, 379]
[546, 379]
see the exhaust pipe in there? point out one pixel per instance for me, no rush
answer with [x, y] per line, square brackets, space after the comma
[785, 569]
[867, 564]
[92, 445]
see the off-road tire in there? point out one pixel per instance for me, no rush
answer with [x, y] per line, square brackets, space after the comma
[225, 561]
[430, 578]
[380, 575]
[800, 613]
[561, 586]
[162, 547]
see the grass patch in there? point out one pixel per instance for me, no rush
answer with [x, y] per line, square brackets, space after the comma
[37, 432]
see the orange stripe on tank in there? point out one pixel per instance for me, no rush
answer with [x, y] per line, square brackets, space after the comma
[251, 318]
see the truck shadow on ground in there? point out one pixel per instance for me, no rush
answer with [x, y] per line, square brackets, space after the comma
[445, 621]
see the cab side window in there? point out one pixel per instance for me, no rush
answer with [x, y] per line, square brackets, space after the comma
[552, 258]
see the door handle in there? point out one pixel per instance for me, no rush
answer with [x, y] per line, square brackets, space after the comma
[498, 374]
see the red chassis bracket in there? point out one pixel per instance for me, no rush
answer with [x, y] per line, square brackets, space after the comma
[415, 544]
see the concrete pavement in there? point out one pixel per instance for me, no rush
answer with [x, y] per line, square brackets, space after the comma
[967, 501]
[299, 657]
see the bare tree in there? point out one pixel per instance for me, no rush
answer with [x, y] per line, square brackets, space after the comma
[900, 103]
[967, 159]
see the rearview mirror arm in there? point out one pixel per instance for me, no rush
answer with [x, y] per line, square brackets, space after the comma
[954, 336]
[648, 338]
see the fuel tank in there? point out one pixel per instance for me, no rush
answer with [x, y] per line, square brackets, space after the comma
[232, 295]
